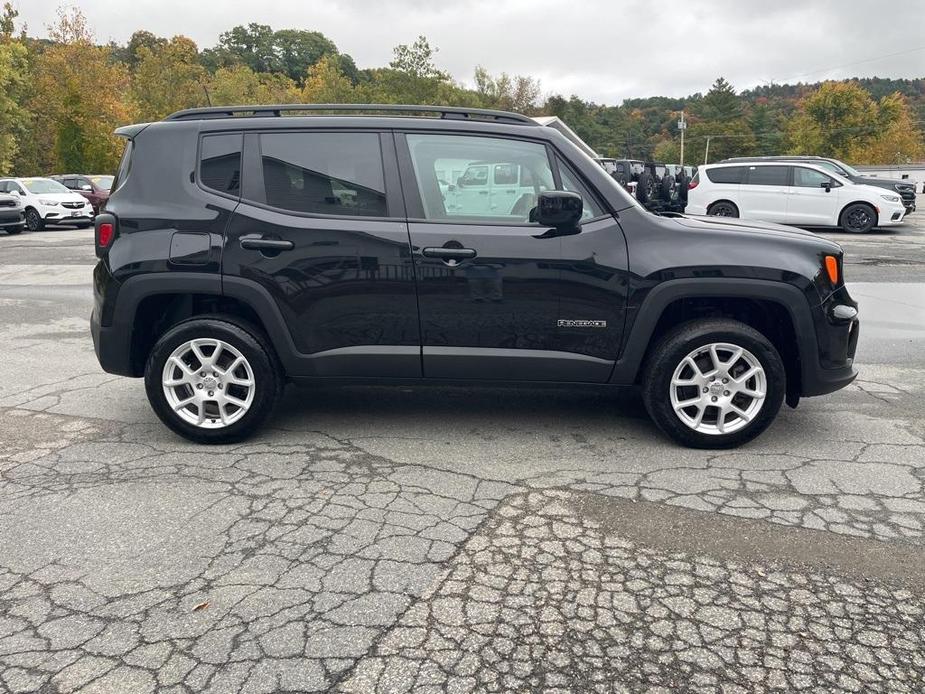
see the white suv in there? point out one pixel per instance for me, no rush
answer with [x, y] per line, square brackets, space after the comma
[797, 193]
[48, 202]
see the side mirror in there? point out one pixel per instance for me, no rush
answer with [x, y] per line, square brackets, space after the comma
[86, 186]
[827, 185]
[560, 209]
[14, 192]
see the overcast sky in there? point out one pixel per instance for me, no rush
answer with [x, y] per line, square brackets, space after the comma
[603, 50]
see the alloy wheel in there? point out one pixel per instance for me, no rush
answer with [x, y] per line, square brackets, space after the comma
[857, 219]
[33, 220]
[208, 383]
[718, 388]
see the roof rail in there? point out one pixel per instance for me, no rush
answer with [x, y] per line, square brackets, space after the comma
[277, 110]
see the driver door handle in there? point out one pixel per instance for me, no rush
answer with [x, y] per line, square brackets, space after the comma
[257, 243]
[448, 253]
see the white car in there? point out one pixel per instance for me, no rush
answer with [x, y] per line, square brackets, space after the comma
[11, 220]
[48, 202]
[796, 193]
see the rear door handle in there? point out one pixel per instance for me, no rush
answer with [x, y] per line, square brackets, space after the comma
[258, 243]
[448, 253]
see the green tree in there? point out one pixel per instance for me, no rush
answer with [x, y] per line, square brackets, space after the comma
[720, 103]
[296, 51]
[511, 93]
[140, 40]
[417, 60]
[14, 85]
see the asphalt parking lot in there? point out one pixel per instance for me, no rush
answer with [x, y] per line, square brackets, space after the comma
[452, 539]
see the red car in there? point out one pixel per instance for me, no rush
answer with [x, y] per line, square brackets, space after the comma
[94, 187]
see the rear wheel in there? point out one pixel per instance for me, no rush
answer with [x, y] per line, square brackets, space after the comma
[858, 218]
[34, 221]
[212, 380]
[723, 209]
[714, 383]
[12, 231]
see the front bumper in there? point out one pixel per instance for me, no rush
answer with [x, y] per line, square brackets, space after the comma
[837, 331]
[891, 214]
[11, 218]
[53, 214]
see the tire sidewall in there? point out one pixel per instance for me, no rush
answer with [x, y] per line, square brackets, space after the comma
[267, 380]
[676, 346]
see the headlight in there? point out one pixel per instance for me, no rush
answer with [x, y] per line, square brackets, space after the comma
[890, 198]
[49, 203]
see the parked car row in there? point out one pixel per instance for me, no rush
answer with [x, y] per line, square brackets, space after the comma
[34, 202]
[658, 187]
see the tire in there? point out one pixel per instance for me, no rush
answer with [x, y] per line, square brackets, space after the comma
[664, 397]
[84, 226]
[14, 232]
[34, 221]
[683, 188]
[645, 187]
[667, 186]
[858, 218]
[238, 340]
[723, 208]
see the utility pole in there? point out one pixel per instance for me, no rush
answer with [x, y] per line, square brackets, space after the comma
[706, 153]
[682, 126]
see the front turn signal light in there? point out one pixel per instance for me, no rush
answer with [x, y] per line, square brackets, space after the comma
[831, 268]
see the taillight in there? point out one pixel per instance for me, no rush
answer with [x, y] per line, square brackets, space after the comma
[694, 182]
[104, 234]
[105, 225]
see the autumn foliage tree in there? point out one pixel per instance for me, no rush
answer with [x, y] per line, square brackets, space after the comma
[78, 99]
[168, 77]
[842, 120]
[62, 97]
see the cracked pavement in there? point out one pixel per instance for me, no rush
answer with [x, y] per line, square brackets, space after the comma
[454, 539]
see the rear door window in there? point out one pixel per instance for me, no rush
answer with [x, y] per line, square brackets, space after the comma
[768, 176]
[220, 163]
[327, 173]
[726, 174]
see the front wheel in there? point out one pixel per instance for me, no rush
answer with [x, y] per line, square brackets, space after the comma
[12, 231]
[713, 383]
[212, 380]
[858, 218]
[34, 221]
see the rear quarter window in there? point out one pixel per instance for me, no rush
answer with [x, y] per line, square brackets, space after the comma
[125, 165]
[726, 174]
[220, 163]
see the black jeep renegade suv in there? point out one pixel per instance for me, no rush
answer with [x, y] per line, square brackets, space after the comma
[245, 247]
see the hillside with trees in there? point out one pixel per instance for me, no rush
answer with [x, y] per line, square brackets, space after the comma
[62, 97]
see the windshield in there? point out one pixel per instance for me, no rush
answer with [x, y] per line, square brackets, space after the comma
[104, 182]
[850, 169]
[829, 166]
[37, 186]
